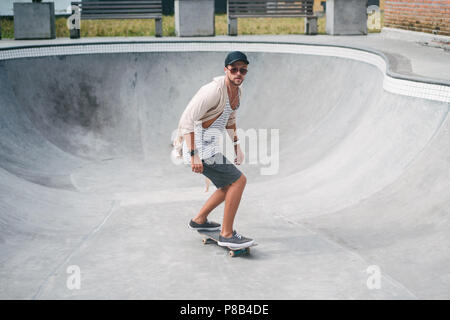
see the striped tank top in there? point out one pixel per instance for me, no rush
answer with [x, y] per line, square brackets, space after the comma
[207, 139]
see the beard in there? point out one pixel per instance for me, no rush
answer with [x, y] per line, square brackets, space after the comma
[237, 81]
[234, 81]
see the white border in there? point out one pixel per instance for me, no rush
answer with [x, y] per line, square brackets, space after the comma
[406, 87]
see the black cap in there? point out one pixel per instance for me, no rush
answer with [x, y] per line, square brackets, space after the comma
[234, 56]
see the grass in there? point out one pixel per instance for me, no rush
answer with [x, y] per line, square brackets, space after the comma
[141, 27]
[248, 26]
[7, 27]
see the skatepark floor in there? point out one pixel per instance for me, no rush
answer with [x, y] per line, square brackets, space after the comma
[361, 182]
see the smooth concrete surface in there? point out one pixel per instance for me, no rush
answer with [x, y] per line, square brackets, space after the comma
[6, 7]
[406, 58]
[427, 39]
[194, 18]
[86, 180]
[34, 20]
[346, 17]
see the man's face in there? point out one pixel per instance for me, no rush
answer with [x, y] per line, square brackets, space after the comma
[233, 72]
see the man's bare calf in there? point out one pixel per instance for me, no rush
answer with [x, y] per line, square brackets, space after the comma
[231, 194]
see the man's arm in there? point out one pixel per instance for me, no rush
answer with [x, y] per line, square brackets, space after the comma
[196, 163]
[190, 140]
[231, 129]
[205, 98]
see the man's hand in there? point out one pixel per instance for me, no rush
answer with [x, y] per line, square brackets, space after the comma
[239, 155]
[196, 164]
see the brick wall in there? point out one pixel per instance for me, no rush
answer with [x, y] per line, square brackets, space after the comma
[431, 16]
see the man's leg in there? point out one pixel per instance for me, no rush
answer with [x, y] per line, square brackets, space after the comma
[213, 201]
[232, 200]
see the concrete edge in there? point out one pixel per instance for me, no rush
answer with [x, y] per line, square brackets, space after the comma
[389, 70]
[412, 36]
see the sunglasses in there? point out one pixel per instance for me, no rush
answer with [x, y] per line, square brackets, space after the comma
[242, 71]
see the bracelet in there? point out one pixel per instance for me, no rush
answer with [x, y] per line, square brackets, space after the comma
[193, 152]
[236, 142]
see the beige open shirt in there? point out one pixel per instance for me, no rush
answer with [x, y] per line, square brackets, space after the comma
[208, 103]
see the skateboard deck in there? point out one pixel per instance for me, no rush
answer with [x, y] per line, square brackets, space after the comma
[213, 237]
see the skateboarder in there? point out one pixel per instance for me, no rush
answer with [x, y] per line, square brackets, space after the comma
[212, 110]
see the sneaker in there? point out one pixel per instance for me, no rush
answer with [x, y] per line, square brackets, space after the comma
[235, 241]
[208, 225]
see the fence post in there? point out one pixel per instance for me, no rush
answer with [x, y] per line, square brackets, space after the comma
[232, 22]
[158, 27]
[311, 25]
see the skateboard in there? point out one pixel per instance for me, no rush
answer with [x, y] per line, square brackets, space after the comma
[213, 237]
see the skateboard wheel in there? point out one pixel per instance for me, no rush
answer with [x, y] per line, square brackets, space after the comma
[232, 253]
[207, 241]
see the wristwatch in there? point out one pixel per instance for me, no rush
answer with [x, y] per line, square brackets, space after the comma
[192, 152]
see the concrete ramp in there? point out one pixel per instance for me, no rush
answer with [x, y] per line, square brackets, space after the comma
[360, 187]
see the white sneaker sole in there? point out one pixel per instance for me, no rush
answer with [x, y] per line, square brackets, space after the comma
[233, 245]
[205, 229]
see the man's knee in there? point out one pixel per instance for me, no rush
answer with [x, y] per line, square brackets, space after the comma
[243, 179]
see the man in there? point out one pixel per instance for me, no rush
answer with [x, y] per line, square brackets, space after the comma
[211, 111]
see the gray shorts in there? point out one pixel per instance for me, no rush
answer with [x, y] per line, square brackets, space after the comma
[220, 170]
